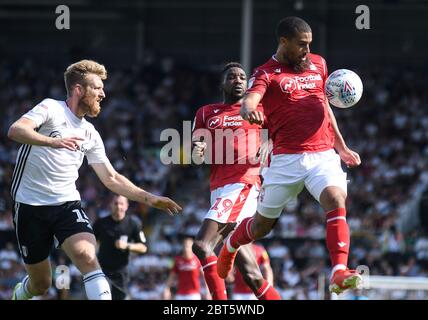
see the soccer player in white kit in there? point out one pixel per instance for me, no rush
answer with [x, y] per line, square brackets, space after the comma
[305, 135]
[55, 138]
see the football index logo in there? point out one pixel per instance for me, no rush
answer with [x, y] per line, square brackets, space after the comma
[215, 122]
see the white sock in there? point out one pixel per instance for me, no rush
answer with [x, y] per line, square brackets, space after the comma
[337, 267]
[96, 286]
[22, 292]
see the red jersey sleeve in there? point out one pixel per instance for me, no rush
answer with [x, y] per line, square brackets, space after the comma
[325, 70]
[259, 82]
[198, 122]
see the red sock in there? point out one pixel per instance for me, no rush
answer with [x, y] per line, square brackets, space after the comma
[338, 236]
[242, 234]
[267, 292]
[214, 282]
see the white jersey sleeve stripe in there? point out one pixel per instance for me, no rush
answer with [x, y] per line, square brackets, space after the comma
[20, 165]
[18, 157]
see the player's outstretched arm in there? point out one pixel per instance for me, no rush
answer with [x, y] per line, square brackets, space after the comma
[23, 131]
[121, 185]
[249, 110]
[350, 157]
[166, 294]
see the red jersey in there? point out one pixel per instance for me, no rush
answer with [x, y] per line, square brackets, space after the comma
[295, 105]
[188, 272]
[244, 141]
[261, 258]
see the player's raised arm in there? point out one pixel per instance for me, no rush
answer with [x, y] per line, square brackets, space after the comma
[23, 131]
[249, 110]
[121, 185]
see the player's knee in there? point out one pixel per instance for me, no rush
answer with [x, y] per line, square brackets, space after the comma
[338, 200]
[86, 258]
[332, 198]
[259, 230]
[201, 249]
[41, 285]
[253, 279]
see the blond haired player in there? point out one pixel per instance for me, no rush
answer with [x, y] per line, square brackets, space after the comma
[55, 137]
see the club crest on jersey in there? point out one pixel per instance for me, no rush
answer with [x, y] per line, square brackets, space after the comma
[215, 122]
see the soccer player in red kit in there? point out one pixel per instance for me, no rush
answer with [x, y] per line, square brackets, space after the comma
[187, 271]
[240, 289]
[234, 181]
[290, 85]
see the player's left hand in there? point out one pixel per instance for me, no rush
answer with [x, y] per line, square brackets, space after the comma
[255, 117]
[165, 204]
[120, 244]
[349, 157]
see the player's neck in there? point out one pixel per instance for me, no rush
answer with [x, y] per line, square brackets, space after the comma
[281, 58]
[115, 218]
[73, 105]
[231, 100]
[187, 255]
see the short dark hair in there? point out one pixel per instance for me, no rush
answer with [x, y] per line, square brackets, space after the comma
[230, 65]
[289, 27]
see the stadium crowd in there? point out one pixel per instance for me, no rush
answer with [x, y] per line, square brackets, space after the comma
[388, 127]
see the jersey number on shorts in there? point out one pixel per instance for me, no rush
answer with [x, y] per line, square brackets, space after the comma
[227, 204]
[82, 217]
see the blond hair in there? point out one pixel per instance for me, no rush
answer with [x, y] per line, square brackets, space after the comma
[76, 73]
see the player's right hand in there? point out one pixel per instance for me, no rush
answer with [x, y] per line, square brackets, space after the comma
[166, 294]
[255, 117]
[70, 143]
[164, 203]
[350, 157]
[199, 148]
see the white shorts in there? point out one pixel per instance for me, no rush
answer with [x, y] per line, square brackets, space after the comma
[233, 202]
[190, 296]
[243, 296]
[289, 173]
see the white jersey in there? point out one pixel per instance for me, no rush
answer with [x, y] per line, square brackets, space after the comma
[45, 175]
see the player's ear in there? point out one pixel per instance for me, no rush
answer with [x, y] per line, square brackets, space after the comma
[79, 90]
[283, 41]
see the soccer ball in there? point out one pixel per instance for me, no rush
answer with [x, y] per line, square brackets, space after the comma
[343, 88]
